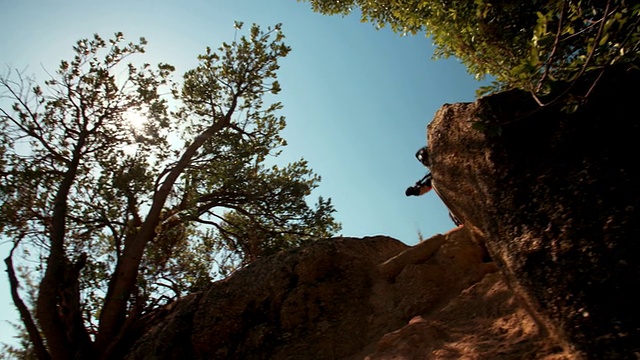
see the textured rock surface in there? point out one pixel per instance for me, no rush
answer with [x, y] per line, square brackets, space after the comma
[350, 298]
[556, 197]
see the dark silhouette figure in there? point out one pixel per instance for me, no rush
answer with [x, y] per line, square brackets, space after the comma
[425, 184]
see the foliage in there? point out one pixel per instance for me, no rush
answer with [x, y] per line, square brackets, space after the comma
[527, 45]
[119, 219]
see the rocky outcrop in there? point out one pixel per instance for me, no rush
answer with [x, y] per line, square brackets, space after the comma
[556, 197]
[349, 298]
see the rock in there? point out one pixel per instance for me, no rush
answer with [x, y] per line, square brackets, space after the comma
[310, 303]
[330, 300]
[485, 322]
[556, 198]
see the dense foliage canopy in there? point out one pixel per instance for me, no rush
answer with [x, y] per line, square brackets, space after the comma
[109, 218]
[522, 44]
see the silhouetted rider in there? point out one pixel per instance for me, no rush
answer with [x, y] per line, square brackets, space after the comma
[421, 187]
[425, 184]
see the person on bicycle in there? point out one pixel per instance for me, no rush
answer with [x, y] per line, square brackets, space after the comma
[425, 184]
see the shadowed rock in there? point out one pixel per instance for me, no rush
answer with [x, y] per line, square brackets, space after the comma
[556, 198]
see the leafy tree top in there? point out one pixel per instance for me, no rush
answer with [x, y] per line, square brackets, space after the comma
[527, 45]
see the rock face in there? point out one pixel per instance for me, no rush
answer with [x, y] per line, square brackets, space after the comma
[346, 298]
[557, 199]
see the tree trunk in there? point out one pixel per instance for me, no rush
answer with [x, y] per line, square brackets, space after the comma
[49, 307]
[124, 278]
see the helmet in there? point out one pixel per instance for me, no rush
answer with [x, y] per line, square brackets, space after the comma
[423, 156]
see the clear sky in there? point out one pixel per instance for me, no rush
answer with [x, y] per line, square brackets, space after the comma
[357, 100]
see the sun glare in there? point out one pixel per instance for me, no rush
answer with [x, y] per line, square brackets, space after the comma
[135, 118]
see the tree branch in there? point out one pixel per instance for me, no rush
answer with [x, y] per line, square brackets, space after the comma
[25, 314]
[114, 310]
[52, 282]
[584, 67]
[549, 61]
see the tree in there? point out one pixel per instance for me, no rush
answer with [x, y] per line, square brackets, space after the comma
[527, 45]
[119, 219]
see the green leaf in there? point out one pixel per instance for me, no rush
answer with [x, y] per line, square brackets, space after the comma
[546, 40]
[603, 39]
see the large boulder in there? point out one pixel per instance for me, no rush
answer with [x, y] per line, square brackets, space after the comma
[348, 298]
[556, 197]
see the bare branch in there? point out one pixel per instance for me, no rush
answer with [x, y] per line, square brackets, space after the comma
[25, 314]
[547, 64]
[31, 132]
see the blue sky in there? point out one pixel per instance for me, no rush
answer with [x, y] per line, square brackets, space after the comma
[357, 100]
